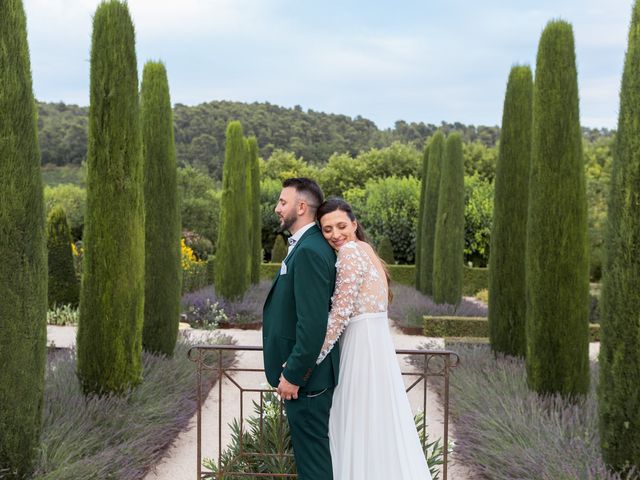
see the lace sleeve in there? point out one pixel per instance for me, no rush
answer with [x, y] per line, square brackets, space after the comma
[351, 269]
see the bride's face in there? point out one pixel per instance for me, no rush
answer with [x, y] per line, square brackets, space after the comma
[338, 228]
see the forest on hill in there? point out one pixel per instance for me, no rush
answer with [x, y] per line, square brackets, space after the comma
[310, 135]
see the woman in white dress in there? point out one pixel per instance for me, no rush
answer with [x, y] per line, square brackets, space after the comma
[372, 432]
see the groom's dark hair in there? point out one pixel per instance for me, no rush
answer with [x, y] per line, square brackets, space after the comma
[307, 188]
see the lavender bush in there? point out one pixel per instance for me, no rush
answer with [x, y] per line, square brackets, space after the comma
[110, 436]
[505, 431]
[248, 309]
[409, 306]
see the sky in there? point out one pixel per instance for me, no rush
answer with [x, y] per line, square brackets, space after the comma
[412, 60]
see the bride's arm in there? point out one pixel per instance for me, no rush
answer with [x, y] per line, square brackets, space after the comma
[350, 272]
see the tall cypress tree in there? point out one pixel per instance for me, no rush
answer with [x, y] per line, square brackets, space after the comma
[112, 293]
[448, 255]
[63, 284]
[557, 266]
[507, 303]
[619, 400]
[430, 212]
[255, 227]
[279, 249]
[162, 215]
[23, 265]
[421, 206]
[232, 255]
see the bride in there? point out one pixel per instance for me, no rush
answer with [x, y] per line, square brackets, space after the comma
[372, 433]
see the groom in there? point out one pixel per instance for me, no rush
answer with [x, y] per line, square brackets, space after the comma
[295, 317]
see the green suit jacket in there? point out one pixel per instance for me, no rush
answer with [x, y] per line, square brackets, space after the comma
[295, 316]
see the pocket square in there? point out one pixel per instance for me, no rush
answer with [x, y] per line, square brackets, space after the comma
[283, 269]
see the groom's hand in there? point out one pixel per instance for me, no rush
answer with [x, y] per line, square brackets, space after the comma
[287, 390]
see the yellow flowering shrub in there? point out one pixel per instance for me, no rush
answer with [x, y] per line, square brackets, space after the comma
[194, 271]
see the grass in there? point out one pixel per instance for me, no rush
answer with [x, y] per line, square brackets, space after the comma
[112, 437]
[506, 432]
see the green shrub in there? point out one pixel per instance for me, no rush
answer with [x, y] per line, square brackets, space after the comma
[63, 284]
[507, 308]
[279, 250]
[557, 265]
[268, 271]
[211, 270]
[389, 207]
[456, 327]
[385, 251]
[482, 295]
[269, 193]
[478, 212]
[196, 277]
[109, 336]
[619, 398]
[23, 264]
[474, 280]
[74, 201]
[448, 247]
[199, 199]
[232, 273]
[404, 274]
[62, 315]
[468, 327]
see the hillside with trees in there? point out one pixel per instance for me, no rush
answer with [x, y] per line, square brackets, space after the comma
[314, 136]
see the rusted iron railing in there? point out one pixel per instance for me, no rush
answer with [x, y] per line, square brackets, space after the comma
[209, 361]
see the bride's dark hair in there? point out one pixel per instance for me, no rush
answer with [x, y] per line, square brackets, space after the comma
[336, 203]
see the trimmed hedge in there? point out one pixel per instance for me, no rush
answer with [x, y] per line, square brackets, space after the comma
[474, 279]
[456, 326]
[473, 328]
[403, 274]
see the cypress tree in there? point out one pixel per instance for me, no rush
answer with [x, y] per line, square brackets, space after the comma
[23, 265]
[255, 227]
[112, 293]
[430, 212]
[448, 252]
[279, 250]
[421, 206]
[619, 400]
[63, 284]
[232, 255]
[162, 215]
[557, 267]
[385, 251]
[507, 306]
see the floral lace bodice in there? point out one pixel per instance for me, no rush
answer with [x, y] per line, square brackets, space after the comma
[360, 288]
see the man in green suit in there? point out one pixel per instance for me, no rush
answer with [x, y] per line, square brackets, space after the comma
[295, 318]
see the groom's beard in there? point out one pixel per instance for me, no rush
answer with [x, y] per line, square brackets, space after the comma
[287, 222]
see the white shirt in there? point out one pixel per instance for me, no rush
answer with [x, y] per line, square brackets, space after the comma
[296, 236]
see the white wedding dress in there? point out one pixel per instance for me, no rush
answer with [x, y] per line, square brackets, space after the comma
[371, 427]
